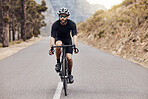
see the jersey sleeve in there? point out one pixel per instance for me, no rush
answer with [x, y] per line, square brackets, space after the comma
[74, 29]
[53, 30]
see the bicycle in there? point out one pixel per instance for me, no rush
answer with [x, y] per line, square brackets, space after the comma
[64, 64]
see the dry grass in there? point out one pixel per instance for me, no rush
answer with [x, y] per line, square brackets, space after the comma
[16, 42]
[12, 43]
[115, 30]
[1, 45]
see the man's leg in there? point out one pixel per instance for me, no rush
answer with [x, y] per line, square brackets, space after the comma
[70, 63]
[58, 54]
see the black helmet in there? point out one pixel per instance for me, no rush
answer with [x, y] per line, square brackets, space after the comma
[64, 11]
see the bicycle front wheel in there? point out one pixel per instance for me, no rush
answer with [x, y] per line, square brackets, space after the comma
[65, 74]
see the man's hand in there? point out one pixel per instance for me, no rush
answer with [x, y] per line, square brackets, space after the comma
[51, 51]
[76, 50]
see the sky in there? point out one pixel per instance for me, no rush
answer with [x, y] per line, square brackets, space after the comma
[107, 3]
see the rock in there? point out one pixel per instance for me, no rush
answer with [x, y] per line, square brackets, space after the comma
[114, 52]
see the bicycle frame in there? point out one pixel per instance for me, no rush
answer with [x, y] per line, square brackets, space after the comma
[64, 63]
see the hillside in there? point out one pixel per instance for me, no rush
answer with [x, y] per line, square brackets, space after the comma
[122, 30]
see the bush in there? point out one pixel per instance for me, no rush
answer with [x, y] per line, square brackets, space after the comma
[127, 2]
[146, 36]
[36, 32]
[113, 32]
[101, 33]
[97, 19]
[95, 35]
[29, 35]
[98, 12]
[116, 7]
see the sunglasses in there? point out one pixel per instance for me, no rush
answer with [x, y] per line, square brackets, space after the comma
[62, 16]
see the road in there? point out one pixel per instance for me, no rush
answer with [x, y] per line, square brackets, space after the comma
[29, 74]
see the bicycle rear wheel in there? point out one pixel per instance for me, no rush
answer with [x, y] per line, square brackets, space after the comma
[65, 74]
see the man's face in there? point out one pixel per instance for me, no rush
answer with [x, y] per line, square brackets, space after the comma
[63, 17]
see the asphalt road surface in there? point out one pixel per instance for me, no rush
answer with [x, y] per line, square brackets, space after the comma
[29, 74]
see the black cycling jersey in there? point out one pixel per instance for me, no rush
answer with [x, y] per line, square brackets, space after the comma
[63, 31]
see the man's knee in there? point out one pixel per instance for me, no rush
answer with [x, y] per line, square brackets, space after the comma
[69, 57]
[58, 43]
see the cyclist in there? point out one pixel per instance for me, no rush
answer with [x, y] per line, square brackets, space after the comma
[60, 34]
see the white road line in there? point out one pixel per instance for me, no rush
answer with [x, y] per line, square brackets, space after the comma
[58, 91]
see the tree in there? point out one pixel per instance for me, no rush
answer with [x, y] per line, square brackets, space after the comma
[12, 19]
[23, 20]
[1, 22]
[5, 26]
[34, 17]
[17, 18]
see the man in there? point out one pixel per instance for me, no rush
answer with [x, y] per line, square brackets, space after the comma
[60, 34]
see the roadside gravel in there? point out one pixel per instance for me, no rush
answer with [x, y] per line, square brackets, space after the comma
[8, 51]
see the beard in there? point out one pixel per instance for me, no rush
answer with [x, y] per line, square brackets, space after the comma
[63, 21]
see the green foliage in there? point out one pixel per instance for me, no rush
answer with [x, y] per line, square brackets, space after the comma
[120, 23]
[113, 32]
[127, 21]
[139, 12]
[41, 9]
[43, 3]
[43, 24]
[35, 17]
[36, 33]
[101, 33]
[98, 19]
[29, 35]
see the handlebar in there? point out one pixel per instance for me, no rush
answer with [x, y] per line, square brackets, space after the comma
[64, 46]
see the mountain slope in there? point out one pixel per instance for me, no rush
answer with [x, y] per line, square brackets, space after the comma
[80, 10]
[121, 31]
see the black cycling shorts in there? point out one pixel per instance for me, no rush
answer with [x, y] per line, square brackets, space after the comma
[66, 42]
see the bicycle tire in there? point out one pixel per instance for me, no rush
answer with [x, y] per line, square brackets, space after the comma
[65, 74]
